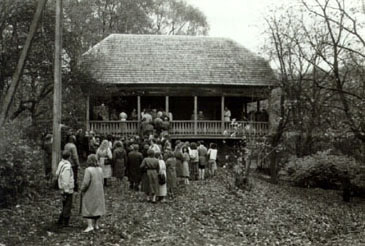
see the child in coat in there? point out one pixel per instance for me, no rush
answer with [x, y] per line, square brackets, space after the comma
[65, 179]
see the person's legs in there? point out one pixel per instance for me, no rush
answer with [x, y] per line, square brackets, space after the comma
[96, 223]
[65, 215]
[89, 225]
[203, 173]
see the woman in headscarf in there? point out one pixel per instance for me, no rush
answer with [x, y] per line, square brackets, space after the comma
[104, 156]
[93, 201]
[119, 161]
[150, 185]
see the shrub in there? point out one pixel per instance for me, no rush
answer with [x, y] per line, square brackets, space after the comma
[324, 170]
[20, 165]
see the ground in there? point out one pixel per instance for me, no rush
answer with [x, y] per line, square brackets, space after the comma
[207, 212]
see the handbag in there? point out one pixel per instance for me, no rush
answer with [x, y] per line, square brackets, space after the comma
[161, 179]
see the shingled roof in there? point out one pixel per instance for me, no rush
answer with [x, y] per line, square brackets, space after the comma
[158, 59]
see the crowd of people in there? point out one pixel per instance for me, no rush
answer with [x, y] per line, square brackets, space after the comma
[150, 164]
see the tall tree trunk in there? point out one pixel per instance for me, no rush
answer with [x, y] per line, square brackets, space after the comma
[9, 97]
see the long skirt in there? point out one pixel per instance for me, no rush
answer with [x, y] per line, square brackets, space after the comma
[119, 169]
[107, 169]
[179, 168]
[150, 184]
[185, 169]
[162, 189]
[171, 178]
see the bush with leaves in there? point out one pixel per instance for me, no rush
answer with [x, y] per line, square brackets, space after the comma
[21, 166]
[325, 170]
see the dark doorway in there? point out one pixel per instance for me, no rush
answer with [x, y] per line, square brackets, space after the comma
[110, 107]
[211, 107]
[181, 107]
[150, 103]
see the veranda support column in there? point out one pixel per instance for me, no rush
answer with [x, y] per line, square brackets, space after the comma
[195, 115]
[139, 130]
[258, 105]
[139, 108]
[87, 112]
[222, 114]
[167, 104]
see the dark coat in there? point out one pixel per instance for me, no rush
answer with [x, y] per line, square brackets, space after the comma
[119, 162]
[150, 176]
[134, 171]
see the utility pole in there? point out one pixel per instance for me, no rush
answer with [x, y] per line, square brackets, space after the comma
[21, 62]
[57, 90]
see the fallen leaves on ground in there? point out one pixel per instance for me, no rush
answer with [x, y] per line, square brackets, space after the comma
[204, 213]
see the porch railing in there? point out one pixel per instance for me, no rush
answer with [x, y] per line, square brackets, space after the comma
[115, 128]
[181, 128]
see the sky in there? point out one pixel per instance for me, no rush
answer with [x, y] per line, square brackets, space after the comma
[240, 20]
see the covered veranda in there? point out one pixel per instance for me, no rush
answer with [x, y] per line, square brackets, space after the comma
[186, 120]
[184, 75]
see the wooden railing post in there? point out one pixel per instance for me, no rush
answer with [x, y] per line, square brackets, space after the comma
[139, 108]
[167, 104]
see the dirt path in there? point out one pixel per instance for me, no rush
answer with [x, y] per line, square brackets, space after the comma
[204, 213]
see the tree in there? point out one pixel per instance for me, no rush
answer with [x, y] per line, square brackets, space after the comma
[175, 17]
[319, 53]
[344, 55]
[15, 81]
[86, 22]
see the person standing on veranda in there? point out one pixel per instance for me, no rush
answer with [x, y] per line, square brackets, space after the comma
[93, 201]
[227, 114]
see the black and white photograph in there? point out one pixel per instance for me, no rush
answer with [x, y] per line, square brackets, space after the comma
[182, 122]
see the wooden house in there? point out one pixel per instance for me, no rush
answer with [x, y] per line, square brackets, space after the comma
[179, 74]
